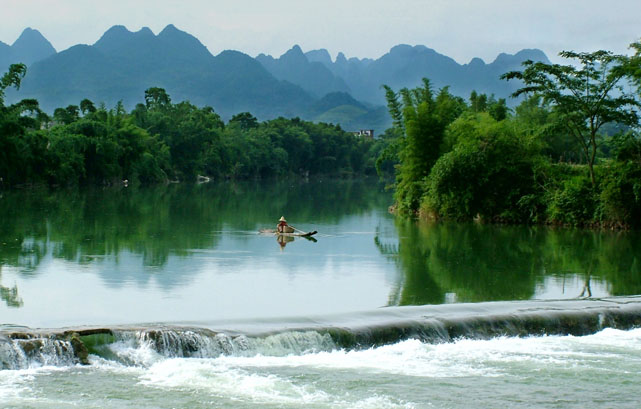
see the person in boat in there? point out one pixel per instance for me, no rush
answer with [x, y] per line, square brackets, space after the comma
[283, 227]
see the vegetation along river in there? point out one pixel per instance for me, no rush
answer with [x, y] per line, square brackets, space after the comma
[168, 297]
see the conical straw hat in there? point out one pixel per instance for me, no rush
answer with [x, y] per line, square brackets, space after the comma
[282, 219]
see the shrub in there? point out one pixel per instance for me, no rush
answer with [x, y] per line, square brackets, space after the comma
[490, 173]
[573, 202]
[621, 194]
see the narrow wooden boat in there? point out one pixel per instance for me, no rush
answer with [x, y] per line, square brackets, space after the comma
[308, 234]
[274, 232]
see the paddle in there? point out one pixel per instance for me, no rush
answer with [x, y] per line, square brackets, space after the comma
[300, 231]
[306, 234]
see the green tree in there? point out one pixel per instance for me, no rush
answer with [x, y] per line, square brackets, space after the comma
[66, 115]
[488, 173]
[498, 109]
[394, 107]
[87, 107]
[478, 103]
[534, 117]
[13, 147]
[586, 96]
[157, 98]
[244, 120]
[632, 67]
[424, 119]
[12, 78]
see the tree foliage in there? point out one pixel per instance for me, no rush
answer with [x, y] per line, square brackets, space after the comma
[569, 153]
[585, 97]
[12, 78]
[159, 141]
[421, 125]
[487, 174]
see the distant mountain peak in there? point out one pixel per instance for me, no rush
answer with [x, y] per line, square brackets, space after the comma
[172, 31]
[30, 35]
[295, 55]
[408, 50]
[31, 46]
[117, 29]
[114, 35]
[321, 56]
[145, 30]
[476, 62]
[169, 28]
[401, 48]
[29, 31]
[294, 51]
[533, 54]
[176, 39]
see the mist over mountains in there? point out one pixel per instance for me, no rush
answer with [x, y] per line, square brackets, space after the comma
[122, 64]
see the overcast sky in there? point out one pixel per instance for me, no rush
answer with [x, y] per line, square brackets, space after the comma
[461, 29]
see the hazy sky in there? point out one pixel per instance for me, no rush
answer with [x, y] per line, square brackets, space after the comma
[462, 29]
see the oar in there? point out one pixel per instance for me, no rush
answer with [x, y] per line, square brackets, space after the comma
[306, 234]
[300, 231]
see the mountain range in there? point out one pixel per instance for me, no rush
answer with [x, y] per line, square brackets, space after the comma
[122, 64]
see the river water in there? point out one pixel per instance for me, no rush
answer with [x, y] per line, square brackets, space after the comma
[191, 307]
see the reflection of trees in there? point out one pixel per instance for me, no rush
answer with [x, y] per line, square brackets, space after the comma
[22, 233]
[80, 225]
[254, 205]
[614, 257]
[84, 226]
[485, 263]
[9, 294]
[418, 286]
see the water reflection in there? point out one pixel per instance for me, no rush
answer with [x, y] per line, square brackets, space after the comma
[445, 262]
[86, 226]
[10, 294]
[173, 236]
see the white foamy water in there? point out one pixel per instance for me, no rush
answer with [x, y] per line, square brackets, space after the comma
[600, 370]
[461, 358]
[218, 379]
[223, 380]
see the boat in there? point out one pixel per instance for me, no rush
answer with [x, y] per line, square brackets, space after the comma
[303, 234]
[295, 234]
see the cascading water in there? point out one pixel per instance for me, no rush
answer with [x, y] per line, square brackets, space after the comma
[429, 324]
[35, 352]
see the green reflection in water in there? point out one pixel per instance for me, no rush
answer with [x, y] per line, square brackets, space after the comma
[444, 262]
[432, 263]
[83, 225]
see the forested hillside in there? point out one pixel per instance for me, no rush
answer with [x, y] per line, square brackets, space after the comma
[161, 141]
[122, 64]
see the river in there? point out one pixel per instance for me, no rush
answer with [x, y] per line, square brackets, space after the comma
[179, 302]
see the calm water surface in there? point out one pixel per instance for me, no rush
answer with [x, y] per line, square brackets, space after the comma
[191, 254]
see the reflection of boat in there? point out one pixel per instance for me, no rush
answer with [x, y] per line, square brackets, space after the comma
[284, 238]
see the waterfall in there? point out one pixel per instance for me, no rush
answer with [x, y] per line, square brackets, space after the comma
[27, 348]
